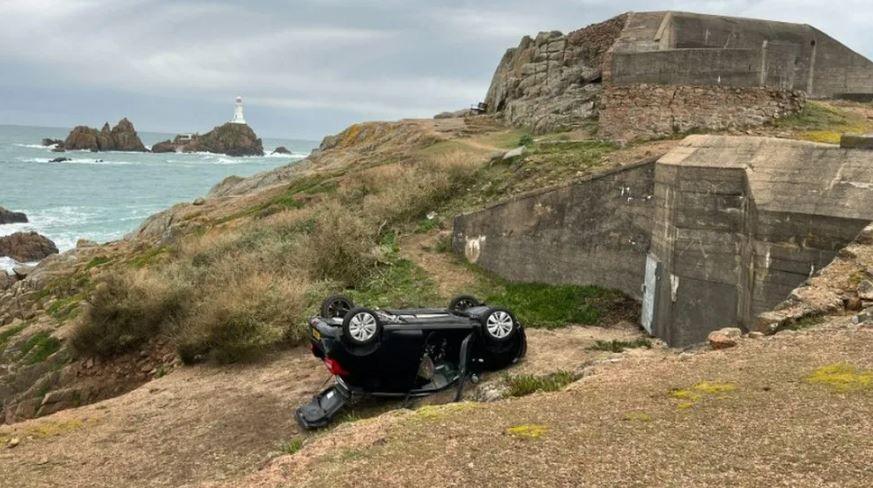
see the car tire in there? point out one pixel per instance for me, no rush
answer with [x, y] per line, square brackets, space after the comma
[336, 306]
[463, 302]
[498, 325]
[361, 327]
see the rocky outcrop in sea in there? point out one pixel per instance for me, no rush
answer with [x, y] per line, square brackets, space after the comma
[230, 139]
[10, 217]
[26, 246]
[122, 137]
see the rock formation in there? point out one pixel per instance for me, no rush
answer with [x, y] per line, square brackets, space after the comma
[10, 217]
[654, 74]
[122, 137]
[230, 139]
[281, 150]
[52, 142]
[26, 246]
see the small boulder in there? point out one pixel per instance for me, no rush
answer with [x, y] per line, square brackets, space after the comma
[199, 201]
[13, 442]
[514, 153]
[865, 290]
[724, 338]
[59, 160]
[27, 246]
[10, 217]
[281, 150]
[52, 142]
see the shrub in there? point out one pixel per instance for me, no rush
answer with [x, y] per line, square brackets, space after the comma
[126, 310]
[247, 316]
[339, 248]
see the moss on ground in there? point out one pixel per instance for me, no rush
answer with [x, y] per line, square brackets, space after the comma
[527, 431]
[521, 385]
[842, 377]
[689, 397]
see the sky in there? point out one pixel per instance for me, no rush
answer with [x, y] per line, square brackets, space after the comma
[305, 68]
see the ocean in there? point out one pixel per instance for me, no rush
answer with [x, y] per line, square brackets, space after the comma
[102, 196]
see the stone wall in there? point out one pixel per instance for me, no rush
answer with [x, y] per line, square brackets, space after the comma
[592, 232]
[552, 82]
[648, 111]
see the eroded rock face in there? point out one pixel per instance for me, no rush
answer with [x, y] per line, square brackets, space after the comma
[10, 217]
[552, 82]
[26, 246]
[122, 137]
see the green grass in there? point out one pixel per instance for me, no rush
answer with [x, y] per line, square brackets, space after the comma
[548, 306]
[66, 308]
[9, 333]
[521, 385]
[525, 140]
[149, 257]
[619, 346]
[39, 347]
[425, 225]
[292, 446]
[97, 261]
[821, 123]
[400, 283]
[576, 154]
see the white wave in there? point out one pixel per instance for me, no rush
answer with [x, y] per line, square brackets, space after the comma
[34, 146]
[97, 161]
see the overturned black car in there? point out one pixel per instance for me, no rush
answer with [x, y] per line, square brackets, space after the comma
[406, 353]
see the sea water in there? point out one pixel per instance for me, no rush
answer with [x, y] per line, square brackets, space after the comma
[102, 196]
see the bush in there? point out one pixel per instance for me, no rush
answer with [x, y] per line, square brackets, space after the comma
[126, 310]
[247, 316]
[339, 248]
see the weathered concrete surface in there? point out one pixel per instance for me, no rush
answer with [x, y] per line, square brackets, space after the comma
[756, 70]
[733, 223]
[741, 221]
[592, 232]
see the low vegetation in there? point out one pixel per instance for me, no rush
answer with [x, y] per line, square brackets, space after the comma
[819, 122]
[842, 377]
[548, 306]
[38, 347]
[616, 345]
[521, 385]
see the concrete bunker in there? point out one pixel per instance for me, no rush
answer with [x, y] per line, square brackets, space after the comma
[711, 234]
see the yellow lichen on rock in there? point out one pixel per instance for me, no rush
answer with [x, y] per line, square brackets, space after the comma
[527, 431]
[842, 377]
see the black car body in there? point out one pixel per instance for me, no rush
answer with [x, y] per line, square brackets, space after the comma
[406, 353]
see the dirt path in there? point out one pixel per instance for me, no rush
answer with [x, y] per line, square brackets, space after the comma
[451, 278]
[747, 416]
[209, 423]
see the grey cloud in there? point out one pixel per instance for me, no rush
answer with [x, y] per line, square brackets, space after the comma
[306, 67]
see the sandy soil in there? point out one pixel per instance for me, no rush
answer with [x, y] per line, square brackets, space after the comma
[746, 416]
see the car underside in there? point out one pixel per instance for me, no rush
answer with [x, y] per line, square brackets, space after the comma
[408, 352]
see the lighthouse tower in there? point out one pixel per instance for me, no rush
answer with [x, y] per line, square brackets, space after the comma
[238, 113]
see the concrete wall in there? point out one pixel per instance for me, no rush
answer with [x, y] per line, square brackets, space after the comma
[591, 232]
[742, 221]
[681, 48]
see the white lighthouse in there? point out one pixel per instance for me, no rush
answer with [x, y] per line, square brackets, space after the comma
[238, 117]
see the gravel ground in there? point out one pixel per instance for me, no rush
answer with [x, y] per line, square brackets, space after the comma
[746, 416]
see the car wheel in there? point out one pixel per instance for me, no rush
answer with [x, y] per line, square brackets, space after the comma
[336, 306]
[361, 327]
[498, 325]
[462, 302]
